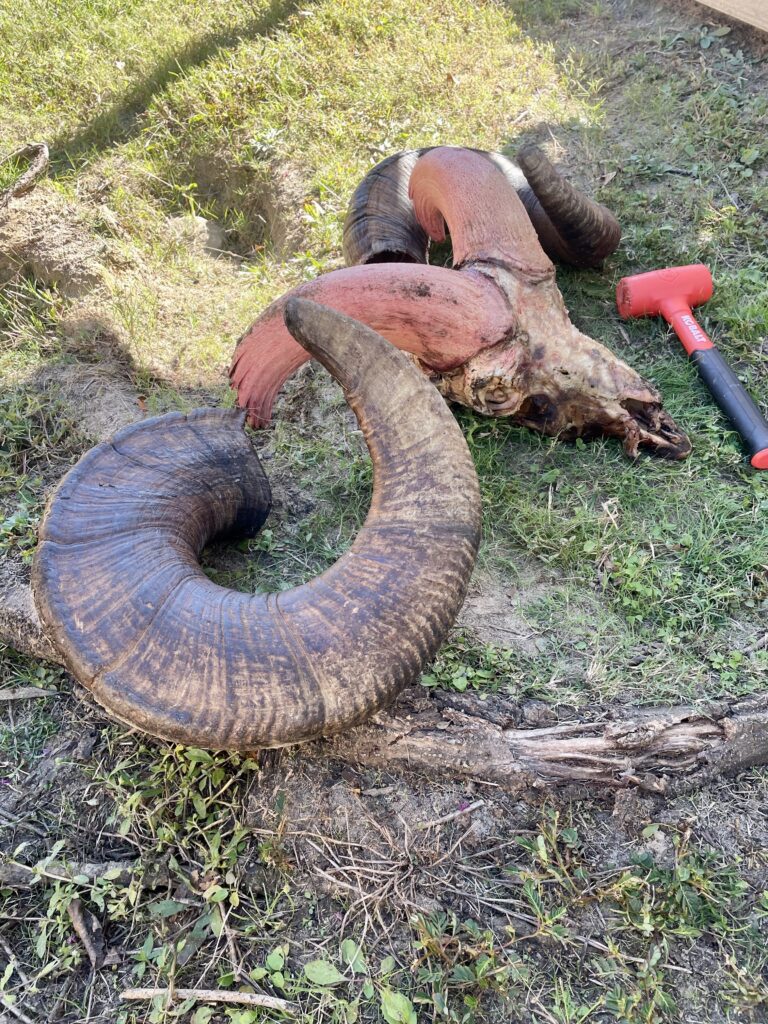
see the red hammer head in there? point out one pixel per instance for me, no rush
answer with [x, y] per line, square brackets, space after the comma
[672, 293]
[663, 292]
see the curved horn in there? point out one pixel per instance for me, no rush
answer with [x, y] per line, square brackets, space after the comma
[572, 227]
[117, 581]
[469, 192]
[442, 317]
[381, 226]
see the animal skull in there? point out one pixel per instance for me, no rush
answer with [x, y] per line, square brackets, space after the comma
[493, 333]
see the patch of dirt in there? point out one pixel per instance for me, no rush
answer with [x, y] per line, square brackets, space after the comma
[494, 609]
[49, 239]
[200, 233]
[312, 400]
[282, 199]
[369, 850]
[100, 397]
[270, 198]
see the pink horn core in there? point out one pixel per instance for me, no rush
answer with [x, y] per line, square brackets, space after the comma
[467, 191]
[440, 316]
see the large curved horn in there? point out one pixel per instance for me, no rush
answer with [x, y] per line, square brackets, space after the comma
[381, 226]
[468, 192]
[442, 317]
[572, 228]
[118, 585]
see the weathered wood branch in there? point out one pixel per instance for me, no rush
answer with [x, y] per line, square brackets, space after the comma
[36, 155]
[663, 750]
[208, 995]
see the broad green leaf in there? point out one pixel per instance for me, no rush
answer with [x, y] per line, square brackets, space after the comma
[166, 908]
[352, 955]
[322, 972]
[397, 1008]
[198, 755]
[276, 960]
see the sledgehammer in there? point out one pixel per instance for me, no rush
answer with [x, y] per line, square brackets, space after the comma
[672, 293]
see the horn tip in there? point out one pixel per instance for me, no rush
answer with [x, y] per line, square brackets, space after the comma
[530, 156]
[297, 314]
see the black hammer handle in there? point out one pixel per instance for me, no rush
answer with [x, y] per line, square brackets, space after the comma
[731, 396]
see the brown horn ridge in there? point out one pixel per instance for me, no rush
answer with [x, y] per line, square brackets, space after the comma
[572, 228]
[119, 587]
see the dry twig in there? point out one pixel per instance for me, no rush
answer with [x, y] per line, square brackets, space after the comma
[26, 693]
[37, 155]
[454, 814]
[89, 931]
[209, 995]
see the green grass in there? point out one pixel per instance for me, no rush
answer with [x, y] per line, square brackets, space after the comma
[209, 887]
[638, 582]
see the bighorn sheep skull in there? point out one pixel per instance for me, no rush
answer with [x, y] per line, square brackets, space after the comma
[496, 336]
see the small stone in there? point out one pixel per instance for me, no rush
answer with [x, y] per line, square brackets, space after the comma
[201, 233]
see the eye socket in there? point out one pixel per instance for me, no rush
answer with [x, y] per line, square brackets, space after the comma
[539, 409]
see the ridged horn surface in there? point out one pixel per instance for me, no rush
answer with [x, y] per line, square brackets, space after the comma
[572, 227]
[381, 226]
[437, 315]
[118, 583]
[467, 192]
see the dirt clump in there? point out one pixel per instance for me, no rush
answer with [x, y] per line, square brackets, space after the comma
[44, 236]
[20, 625]
[200, 233]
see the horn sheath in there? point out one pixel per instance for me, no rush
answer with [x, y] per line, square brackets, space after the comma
[572, 228]
[468, 193]
[437, 315]
[381, 226]
[119, 587]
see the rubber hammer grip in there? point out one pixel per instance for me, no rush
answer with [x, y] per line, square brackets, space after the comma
[730, 394]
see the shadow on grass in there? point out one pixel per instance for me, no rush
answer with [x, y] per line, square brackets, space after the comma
[121, 122]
